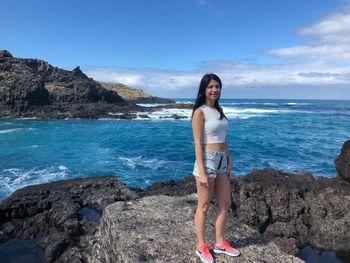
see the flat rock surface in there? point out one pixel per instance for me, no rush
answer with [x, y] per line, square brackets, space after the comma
[161, 229]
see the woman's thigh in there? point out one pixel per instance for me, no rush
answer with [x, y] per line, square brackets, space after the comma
[205, 194]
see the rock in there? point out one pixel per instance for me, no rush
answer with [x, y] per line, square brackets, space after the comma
[292, 209]
[181, 187]
[5, 54]
[31, 87]
[160, 229]
[143, 116]
[175, 106]
[54, 250]
[313, 211]
[342, 162]
[174, 116]
[52, 209]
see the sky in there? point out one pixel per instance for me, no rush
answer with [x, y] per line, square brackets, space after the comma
[290, 49]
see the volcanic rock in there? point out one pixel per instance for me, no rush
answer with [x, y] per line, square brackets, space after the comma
[160, 229]
[53, 211]
[342, 162]
[32, 87]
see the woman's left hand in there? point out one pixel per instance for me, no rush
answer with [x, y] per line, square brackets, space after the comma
[229, 173]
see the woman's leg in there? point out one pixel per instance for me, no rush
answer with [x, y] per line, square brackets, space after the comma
[204, 197]
[223, 196]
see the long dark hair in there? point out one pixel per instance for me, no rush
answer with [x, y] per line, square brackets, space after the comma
[200, 100]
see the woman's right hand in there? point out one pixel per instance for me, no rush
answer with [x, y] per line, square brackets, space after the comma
[203, 180]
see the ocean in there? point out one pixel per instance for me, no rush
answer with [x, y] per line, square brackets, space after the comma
[289, 135]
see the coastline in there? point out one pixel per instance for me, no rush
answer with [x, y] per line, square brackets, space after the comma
[291, 210]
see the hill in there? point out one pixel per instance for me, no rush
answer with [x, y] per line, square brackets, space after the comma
[133, 94]
[34, 88]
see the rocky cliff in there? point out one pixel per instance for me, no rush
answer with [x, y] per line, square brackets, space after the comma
[34, 88]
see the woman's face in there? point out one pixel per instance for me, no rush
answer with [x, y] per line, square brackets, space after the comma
[213, 90]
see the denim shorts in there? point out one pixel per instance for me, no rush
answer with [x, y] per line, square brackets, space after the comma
[214, 163]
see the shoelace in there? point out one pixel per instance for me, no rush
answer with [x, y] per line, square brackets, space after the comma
[224, 244]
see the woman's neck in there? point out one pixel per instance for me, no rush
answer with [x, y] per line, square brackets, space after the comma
[210, 103]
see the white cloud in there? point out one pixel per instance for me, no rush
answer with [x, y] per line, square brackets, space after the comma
[234, 76]
[323, 67]
[329, 39]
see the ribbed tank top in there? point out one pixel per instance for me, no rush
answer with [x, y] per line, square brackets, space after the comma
[214, 129]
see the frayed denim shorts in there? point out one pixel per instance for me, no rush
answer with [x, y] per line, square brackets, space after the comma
[214, 163]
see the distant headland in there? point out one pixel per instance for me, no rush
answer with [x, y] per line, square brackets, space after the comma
[32, 88]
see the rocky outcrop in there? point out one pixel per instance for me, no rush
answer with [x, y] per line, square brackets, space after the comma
[5, 54]
[342, 162]
[59, 212]
[292, 209]
[160, 229]
[34, 88]
[310, 210]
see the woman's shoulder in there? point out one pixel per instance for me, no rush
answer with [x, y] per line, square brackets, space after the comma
[198, 112]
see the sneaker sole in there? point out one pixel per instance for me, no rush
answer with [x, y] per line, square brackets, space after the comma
[203, 260]
[218, 251]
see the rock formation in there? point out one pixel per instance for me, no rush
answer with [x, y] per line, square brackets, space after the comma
[34, 88]
[54, 211]
[342, 162]
[160, 229]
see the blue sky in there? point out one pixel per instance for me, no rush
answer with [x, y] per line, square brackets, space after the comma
[260, 49]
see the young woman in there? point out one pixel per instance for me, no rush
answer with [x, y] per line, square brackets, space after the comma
[212, 168]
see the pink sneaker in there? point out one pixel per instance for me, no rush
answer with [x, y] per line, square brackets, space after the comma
[225, 248]
[204, 254]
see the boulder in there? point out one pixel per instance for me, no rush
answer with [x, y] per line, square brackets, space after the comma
[55, 211]
[342, 162]
[161, 229]
[311, 210]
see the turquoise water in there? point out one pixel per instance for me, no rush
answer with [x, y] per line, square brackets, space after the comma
[290, 135]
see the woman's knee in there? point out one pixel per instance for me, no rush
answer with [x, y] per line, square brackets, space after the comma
[224, 204]
[203, 207]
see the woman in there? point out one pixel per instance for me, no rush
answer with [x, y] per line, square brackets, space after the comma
[212, 168]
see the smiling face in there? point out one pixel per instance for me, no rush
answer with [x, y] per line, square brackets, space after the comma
[213, 91]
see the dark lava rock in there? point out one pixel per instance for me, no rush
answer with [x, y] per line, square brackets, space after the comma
[174, 116]
[31, 86]
[174, 106]
[53, 210]
[153, 100]
[294, 210]
[5, 54]
[311, 210]
[342, 162]
[181, 187]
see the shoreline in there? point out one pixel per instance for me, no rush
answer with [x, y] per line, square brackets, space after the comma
[293, 211]
[99, 192]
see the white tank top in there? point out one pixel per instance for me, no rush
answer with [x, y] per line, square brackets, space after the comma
[214, 129]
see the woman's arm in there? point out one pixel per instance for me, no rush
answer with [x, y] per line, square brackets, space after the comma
[197, 128]
[229, 161]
